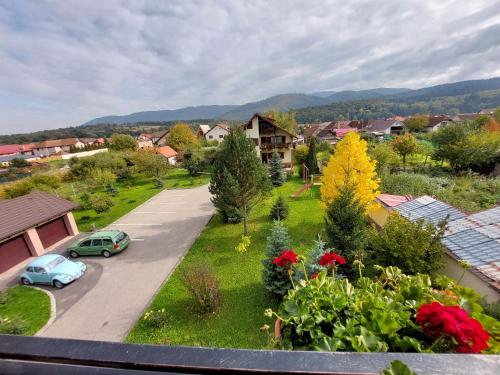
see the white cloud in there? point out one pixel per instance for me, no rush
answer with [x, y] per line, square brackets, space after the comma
[65, 62]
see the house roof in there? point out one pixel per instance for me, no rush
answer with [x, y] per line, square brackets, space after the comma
[314, 129]
[270, 121]
[204, 128]
[340, 133]
[430, 209]
[476, 239]
[87, 140]
[159, 135]
[390, 200]
[12, 157]
[26, 147]
[466, 116]
[8, 149]
[381, 125]
[167, 151]
[434, 120]
[222, 126]
[57, 143]
[21, 213]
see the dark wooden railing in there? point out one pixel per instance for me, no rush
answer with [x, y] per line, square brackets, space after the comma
[36, 355]
[267, 146]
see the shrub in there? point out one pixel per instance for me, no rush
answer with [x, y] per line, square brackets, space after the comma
[101, 203]
[242, 247]
[158, 183]
[346, 227]
[156, 318]
[279, 211]
[20, 188]
[50, 180]
[85, 201]
[203, 287]
[415, 247]
[112, 190]
[274, 278]
[193, 162]
[12, 326]
[331, 314]
[101, 177]
[301, 153]
[312, 264]
[18, 163]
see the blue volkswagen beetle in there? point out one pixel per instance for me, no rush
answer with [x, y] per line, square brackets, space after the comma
[52, 269]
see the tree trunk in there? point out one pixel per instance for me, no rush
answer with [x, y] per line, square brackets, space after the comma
[245, 223]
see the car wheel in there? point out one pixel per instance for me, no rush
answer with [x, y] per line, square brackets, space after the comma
[73, 254]
[58, 284]
[25, 281]
[106, 254]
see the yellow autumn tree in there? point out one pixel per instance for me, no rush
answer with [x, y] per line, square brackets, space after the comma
[351, 166]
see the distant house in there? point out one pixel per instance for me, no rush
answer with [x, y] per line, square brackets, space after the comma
[160, 138]
[312, 130]
[465, 117]
[5, 161]
[26, 149]
[169, 153]
[144, 141]
[88, 141]
[7, 150]
[435, 122]
[384, 127]
[487, 111]
[471, 238]
[31, 224]
[269, 137]
[202, 130]
[217, 133]
[56, 146]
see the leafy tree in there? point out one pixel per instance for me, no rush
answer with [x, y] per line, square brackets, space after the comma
[279, 211]
[414, 247]
[101, 203]
[151, 163]
[20, 188]
[122, 142]
[301, 152]
[404, 144]
[101, 177]
[416, 124]
[285, 120]
[18, 163]
[277, 173]
[385, 156]
[180, 137]
[239, 179]
[311, 161]
[496, 115]
[193, 162]
[350, 167]
[346, 227]
[425, 148]
[276, 279]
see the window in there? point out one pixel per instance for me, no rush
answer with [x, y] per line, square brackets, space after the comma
[282, 155]
[29, 269]
[107, 241]
[120, 237]
[255, 141]
[39, 270]
[210, 137]
[97, 242]
[85, 243]
[221, 136]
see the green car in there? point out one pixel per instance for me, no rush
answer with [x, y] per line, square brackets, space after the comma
[105, 243]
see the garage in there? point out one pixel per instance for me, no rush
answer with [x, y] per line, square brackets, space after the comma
[52, 232]
[12, 252]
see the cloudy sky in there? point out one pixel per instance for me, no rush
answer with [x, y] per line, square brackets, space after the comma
[65, 62]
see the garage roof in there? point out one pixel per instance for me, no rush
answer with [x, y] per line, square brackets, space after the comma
[21, 213]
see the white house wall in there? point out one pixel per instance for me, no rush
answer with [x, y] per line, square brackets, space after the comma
[217, 134]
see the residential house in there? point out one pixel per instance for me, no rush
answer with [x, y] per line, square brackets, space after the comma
[7, 150]
[87, 141]
[56, 146]
[160, 138]
[312, 130]
[269, 137]
[471, 238]
[384, 127]
[31, 224]
[335, 131]
[144, 141]
[435, 122]
[487, 111]
[169, 153]
[202, 130]
[465, 117]
[26, 149]
[217, 133]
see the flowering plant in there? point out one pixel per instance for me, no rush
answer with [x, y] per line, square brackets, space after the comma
[452, 322]
[286, 259]
[329, 259]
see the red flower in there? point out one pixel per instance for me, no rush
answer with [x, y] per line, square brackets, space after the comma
[438, 320]
[287, 257]
[329, 259]
[314, 275]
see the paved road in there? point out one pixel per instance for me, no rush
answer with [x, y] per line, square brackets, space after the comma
[106, 302]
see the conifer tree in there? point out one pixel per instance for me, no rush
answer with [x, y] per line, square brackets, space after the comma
[312, 265]
[277, 172]
[279, 211]
[311, 161]
[275, 278]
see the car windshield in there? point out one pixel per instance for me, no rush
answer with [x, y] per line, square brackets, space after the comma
[119, 237]
[54, 263]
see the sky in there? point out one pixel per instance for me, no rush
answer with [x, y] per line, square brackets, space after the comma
[65, 62]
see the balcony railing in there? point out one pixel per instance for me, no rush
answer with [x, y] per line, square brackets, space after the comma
[271, 146]
[37, 355]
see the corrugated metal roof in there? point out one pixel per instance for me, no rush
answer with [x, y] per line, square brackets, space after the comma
[19, 214]
[474, 238]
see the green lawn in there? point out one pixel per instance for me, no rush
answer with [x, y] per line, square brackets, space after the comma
[237, 323]
[131, 194]
[29, 305]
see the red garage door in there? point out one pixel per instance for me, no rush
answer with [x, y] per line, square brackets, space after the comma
[13, 252]
[52, 232]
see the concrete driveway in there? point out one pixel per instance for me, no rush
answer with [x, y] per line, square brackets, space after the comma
[107, 301]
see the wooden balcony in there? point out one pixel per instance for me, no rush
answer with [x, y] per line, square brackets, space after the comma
[272, 146]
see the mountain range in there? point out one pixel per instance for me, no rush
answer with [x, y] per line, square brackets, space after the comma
[285, 102]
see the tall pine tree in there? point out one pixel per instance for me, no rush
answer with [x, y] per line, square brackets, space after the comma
[239, 179]
[311, 161]
[276, 168]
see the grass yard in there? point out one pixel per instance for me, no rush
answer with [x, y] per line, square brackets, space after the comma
[30, 306]
[131, 194]
[244, 298]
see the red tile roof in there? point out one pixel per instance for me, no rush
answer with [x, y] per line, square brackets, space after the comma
[434, 120]
[167, 151]
[8, 149]
[340, 133]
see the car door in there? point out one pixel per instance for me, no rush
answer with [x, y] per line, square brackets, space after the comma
[85, 248]
[97, 246]
[40, 275]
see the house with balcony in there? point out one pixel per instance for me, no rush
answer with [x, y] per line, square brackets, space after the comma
[269, 137]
